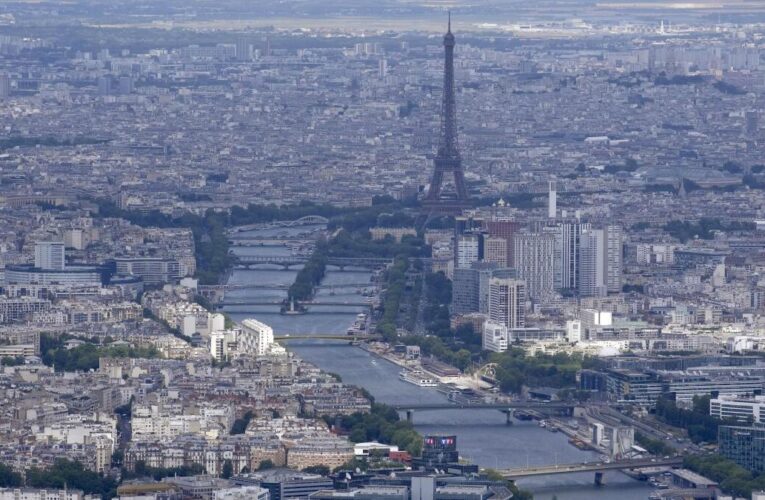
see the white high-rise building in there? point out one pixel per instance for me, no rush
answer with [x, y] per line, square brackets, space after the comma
[495, 337]
[218, 345]
[534, 255]
[507, 301]
[383, 68]
[614, 241]
[574, 331]
[468, 250]
[49, 255]
[243, 49]
[216, 322]
[223, 342]
[256, 337]
[552, 201]
[592, 264]
[600, 269]
[567, 253]
[5, 86]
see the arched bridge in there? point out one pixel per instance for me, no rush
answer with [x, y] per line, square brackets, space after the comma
[308, 220]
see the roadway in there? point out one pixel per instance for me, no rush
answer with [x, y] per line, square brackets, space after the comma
[546, 470]
[647, 426]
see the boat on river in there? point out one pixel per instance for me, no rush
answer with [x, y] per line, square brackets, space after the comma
[417, 377]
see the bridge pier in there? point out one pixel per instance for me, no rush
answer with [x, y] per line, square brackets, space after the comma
[599, 479]
[509, 414]
[410, 416]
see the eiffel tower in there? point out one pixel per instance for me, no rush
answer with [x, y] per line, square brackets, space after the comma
[447, 160]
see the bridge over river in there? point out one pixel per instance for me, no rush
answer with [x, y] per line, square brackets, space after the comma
[597, 467]
[507, 407]
[245, 261]
[255, 302]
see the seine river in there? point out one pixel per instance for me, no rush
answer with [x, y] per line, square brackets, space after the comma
[482, 435]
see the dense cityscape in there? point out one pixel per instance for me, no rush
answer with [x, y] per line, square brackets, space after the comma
[382, 250]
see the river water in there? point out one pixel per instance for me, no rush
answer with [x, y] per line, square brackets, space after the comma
[482, 435]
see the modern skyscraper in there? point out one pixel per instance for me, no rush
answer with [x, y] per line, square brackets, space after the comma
[104, 85]
[470, 288]
[600, 268]
[504, 229]
[5, 86]
[243, 49]
[448, 160]
[752, 122]
[486, 271]
[552, 201]
[383, 68]
[467, 224]
[495, 250]
[614, 240]
[464, 291]
[256, 337]
[507, 300]
[534, 256]
[495, 337]
[592, 264]
[469, 249]
[567, 253]
[745, 445]
[126, 85]
[49, 255]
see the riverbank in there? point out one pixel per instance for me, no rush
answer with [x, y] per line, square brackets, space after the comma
[483, 437]
[386, 351]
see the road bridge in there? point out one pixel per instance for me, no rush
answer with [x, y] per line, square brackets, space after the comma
[269, 242]
[508, 408]
[282, 260]
[290, 260]
[597, 467]
[245, 302]
[512, 405]
[328, 336]
[278, 286]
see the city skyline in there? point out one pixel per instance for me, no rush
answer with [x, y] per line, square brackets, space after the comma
[393, 249]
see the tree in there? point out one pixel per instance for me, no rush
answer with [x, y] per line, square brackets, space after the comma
[9, 478]
[317, 469]
[240, 424]
[494, 475]
[266, 464]
[228, 469]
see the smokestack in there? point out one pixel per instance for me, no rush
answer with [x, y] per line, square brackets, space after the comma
[552, 201]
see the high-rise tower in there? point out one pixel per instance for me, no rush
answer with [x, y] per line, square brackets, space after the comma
[447, 159]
